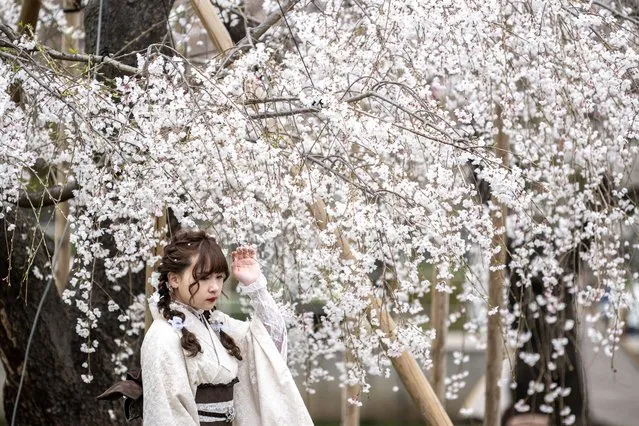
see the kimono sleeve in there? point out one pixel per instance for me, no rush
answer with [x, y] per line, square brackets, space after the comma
[266, 394]
[168, 398]
[267, 311]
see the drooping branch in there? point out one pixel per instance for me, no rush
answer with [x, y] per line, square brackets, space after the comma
[56, 54]
[288, 113]
[617, 13]
[245, 44]
[272, 19]
[48, 196]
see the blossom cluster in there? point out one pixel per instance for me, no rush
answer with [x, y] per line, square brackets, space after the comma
[386, 112]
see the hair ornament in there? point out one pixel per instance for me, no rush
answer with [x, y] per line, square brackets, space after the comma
[217, 326]
[177, 323]
[155, 280]
[155, 298]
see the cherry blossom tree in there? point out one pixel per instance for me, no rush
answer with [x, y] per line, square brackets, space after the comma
[388, 113]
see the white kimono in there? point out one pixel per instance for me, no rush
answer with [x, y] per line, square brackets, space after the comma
[266, 393]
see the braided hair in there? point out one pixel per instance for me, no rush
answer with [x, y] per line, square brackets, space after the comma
[177, 258]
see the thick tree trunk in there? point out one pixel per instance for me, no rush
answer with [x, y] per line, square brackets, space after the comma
[126, 28]
[53, 392]
[569, 372]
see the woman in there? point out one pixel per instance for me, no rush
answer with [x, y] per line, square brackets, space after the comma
[202, 367]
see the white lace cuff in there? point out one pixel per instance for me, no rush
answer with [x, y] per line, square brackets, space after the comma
[251, 288]
[267, 311]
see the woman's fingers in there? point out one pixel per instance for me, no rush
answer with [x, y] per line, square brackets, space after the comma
[243, 252]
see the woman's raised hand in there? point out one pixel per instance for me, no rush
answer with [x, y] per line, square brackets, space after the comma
[245, 266]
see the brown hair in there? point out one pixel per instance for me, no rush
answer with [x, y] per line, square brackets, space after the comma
[176, 258]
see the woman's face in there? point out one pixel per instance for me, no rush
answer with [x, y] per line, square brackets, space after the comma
[206, 295]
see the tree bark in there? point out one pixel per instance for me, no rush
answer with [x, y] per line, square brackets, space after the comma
[126, 28]
[53, 392]
[569, 372]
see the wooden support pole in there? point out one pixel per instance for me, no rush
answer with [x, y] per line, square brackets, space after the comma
[406, 366]
[496, 278]
[29, 15]
[160, 226]
[411, 374]
[74, 20]
[439, 314]
[214, 27]
[62, 239]
[350, 412]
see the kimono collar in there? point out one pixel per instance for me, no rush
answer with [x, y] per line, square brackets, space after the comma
[196, 322]
[175, 304]
[215, 320]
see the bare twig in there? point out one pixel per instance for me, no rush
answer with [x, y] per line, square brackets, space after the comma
[297, 111]
[77, 57]
[268, 100]
[73, 57]
[283, 113]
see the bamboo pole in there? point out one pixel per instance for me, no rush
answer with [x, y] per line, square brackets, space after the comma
[69, 43]
[494, 349]
[214, 27]
[62, 238]
[29, 15]
[350, 412]
[62, 241]
[406, 366]
[160, 226]
[440, 302]
[411, 374]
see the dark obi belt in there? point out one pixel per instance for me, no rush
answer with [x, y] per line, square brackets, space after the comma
[215, 403]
